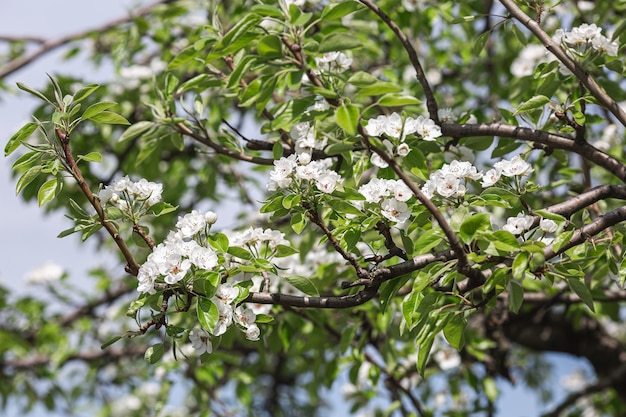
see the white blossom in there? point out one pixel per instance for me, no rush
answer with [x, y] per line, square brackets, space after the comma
[201, 341]
[548, 225]
[516, 167]
[280, 176]
[394, 210]
[518, 225]
[191, 223]
[224, 316]
[491, 177]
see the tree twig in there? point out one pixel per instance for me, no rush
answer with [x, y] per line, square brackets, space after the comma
[50, 45]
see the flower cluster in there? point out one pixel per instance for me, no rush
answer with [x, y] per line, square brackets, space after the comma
[519, 224]
[303, 135]
[395, 130]
[392, 196]
[129, 196]
[449, 181]
[179, 253]
[584, 38]
[333, 61]
[224, 299]
[254, 237]
[287, 169]
[227, 314]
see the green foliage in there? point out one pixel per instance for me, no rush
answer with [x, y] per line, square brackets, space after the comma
[271, 107]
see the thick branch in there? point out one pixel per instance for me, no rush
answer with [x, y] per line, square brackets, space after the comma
[552, 140]
[581, 235]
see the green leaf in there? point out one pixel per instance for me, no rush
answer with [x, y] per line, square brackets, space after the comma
[109, 117]
[270, 47]
[110, 342]
[19, 137]
[161, 208]
[239, 252]
[490, 387]
[207, 314]
[97, 108]
[338, 42]
[284, 250]
[219, 241]
[298, 222]
[582, 291]
[263, 318]
[423, 353]
[339, 10]
[479, 43]
[34, 92]
[427, 241]
[561, 240]
[519, 34]
[477, 222]
[84, 92]
[362, 79]
[516, 296]
[338, 148]
[183, 57]
[520, 265]
[136, 130]
[396, 100]
[454, 331]
[505, 241]
[303, 284]
[154, 353]
[277, 150]
[534, 103]
[347, 116]
[91, 157]
[27, 178]
[379, 88]
[47, 191]
[344, 207]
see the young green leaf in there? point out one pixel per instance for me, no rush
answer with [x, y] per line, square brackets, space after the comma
[19, 137]
[47, 191]
[347, 118]
[97, 108]
[303, 284]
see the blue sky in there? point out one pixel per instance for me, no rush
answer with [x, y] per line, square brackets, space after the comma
[30, 237]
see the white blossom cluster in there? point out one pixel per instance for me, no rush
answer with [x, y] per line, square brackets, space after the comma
[254, 237]
[303, 135]
[449, 181]
[123, 193]
[395, 130]
[286, 169]
[179, 253]
[585, 38]
[228, 313]
[333, 61]
[523, 222]
[392, 196]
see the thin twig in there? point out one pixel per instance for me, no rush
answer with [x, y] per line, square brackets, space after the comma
[431, 103]
[132, 267]
[50, 45]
